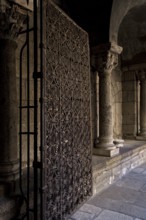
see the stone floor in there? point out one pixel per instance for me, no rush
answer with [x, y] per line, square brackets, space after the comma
[124, 200]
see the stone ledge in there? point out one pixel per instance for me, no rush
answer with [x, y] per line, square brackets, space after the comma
[108, 170]
[141, 138]
[119, 142]
[106, 152]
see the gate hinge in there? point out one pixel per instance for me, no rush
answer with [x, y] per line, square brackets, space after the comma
[38, 75]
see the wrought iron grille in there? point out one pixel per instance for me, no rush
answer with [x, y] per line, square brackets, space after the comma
[67, 138]
[61, 171]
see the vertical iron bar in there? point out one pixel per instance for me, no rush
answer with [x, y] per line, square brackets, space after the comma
[41, 108]
[28, 120]
[35, 21]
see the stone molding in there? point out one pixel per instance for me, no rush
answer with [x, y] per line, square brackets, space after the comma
[141, 75]
[106, 62]
[134, 67]
[104, 58]
[23, 3]
[12, 19]
[9, 171]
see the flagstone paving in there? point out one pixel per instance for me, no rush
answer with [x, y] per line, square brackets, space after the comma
[124, 200]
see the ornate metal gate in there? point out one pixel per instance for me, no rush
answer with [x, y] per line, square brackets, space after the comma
[60, 177]
[66, 121]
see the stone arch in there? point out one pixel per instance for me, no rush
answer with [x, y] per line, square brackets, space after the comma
[131, 35]
[129, 31]
[119, 11]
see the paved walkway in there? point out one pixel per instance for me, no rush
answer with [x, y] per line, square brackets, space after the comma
[124, 200]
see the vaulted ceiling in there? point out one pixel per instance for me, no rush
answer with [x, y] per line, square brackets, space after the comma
[119, 21]
[132, 35]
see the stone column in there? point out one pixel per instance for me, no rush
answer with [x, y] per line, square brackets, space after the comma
[105, 60]
[12, 17]
[142, 79]
[8, 112]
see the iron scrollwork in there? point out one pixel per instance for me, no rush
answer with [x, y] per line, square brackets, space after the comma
[67, 129]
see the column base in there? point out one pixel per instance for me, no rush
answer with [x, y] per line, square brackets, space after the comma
[9, 171]
[8, 208]
[107, 152]
[141, 138]
[119, 142]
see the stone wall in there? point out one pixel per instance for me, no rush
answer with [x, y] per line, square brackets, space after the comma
[117, 103]
[106, 171]
[129, 108]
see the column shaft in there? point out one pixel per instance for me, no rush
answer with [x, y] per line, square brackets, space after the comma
[141, 74]
[12, 19]
[8, 111]
[105, 59]
[143, 108]
[105, 110]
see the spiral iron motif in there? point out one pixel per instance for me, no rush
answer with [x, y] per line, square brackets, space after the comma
[67, 130]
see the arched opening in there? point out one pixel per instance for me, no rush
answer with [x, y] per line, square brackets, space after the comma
[131, 36]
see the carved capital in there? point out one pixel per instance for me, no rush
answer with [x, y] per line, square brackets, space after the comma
[105, 57]
[141, 75]
[107, 62]
[12, 18]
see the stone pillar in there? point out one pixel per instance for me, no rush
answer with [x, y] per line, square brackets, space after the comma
[8, 112]
[142, 79]
[11, 22]
[105, 60]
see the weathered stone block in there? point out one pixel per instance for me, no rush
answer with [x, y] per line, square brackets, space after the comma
[106, 152]
[82, 216]
[119, 97]
[112, 169]
[128, 76]
[129, 108]
[128, 86]
[90, 209]
[110, 215]
[128, 96]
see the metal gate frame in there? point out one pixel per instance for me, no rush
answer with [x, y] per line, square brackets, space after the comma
[35, 204]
